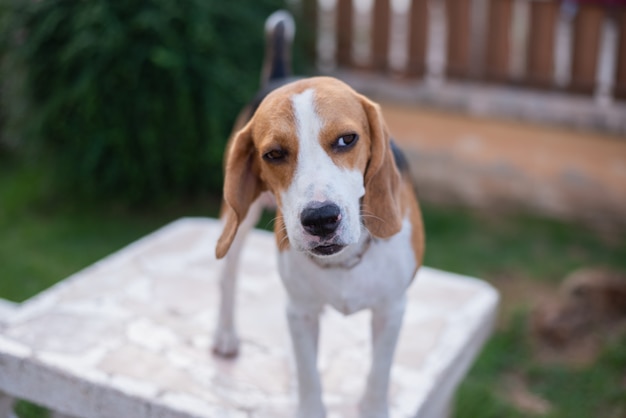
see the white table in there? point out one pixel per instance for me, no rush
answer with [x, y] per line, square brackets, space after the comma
[131, 335]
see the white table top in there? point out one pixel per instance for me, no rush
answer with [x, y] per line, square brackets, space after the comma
[131, 336]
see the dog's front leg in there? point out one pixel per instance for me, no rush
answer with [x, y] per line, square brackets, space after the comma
[226, 340]
[386, 325]
[304, 330]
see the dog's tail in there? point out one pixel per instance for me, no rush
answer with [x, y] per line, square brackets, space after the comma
[280, 30]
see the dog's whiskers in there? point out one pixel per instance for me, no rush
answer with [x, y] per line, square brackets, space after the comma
[371, 215]
[271, 222]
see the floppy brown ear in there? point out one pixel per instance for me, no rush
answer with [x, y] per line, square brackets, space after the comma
[242, 185]
[382, 212]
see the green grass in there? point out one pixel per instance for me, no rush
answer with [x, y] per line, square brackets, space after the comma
[596, 390]
[28, 410]
[45, 238]
[492, 246]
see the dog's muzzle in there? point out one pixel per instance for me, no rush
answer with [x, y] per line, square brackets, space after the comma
[321, 219]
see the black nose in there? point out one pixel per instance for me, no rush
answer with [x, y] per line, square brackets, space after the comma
[321, 219]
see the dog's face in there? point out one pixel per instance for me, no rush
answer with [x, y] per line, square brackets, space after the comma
[314, 162]
[323, 151]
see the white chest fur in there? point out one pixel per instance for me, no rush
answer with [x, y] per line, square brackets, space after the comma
[381, 276]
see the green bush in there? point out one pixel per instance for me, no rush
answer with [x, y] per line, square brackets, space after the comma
[130, 99]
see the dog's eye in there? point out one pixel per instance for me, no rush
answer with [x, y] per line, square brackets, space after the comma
[345, 141]
[275, 156]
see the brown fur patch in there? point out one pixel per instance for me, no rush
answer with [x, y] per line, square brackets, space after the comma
[410, 206]
[341, 111]
[242, 186]
[382, 201]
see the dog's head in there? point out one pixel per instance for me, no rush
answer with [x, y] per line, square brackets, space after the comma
[324, 152]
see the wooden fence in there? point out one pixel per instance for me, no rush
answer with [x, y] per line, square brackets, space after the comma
[563, 45]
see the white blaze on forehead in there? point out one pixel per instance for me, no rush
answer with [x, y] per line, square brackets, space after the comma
[308, 122]
[313, 161]
[318, 178]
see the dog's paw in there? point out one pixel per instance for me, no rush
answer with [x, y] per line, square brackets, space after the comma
[226, 344]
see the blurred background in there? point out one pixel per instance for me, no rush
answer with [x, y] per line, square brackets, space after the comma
[114, 115]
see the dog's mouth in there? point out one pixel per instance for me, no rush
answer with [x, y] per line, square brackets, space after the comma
[325, 250]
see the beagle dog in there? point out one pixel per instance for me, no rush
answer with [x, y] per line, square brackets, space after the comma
[348, 226]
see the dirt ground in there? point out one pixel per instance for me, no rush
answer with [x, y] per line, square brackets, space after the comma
[488, 162]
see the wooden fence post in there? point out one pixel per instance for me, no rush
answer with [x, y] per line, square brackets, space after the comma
[499, 40]
[458, 13]
[418, 33]
[381, 15]
[344, 32]
[587, 30]
[541, 38]
[620, 74]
